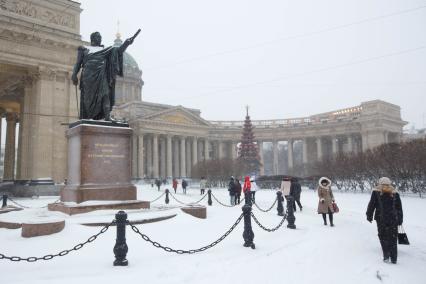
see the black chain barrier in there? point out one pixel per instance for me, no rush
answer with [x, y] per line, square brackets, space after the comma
[183, 203]
[267, 229]
[180, 251]
[152, 201]
[267, 210]
[28, 207]
[62, 253]
[223, 204]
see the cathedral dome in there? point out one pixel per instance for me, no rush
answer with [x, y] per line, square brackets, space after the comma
[129, 87]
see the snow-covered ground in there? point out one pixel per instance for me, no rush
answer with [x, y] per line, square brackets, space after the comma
[313, 253]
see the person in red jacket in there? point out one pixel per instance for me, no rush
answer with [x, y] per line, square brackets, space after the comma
[174, 185]
[246, 189]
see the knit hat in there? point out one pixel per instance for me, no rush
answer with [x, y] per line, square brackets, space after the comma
[384, 180]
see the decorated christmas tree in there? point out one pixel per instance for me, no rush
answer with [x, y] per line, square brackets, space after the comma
[248, 151]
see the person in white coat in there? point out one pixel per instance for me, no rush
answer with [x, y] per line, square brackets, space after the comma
[285, 187]
[253, 189]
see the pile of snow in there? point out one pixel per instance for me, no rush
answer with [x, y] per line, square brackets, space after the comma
[313, 253]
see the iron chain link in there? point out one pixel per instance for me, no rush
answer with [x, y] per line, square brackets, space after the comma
[267, 229]
[178, 201]
[223, 204]
[180, 251]
[28, 207]
[267, 210]
[152, 201]
[61, 253]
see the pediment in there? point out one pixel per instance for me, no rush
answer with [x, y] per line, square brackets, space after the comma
[178, 116]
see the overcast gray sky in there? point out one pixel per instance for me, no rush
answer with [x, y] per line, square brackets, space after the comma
[283, 58]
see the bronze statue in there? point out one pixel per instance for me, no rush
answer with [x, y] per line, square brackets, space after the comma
[97, 80]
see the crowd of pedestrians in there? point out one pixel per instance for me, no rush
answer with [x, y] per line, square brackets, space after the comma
[384, 207]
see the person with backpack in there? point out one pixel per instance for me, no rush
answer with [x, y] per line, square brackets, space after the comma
[295, 191]
[232, 190]
[385, 204]
[184, 185]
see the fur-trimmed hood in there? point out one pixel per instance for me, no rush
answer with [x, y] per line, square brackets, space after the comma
[322, 179]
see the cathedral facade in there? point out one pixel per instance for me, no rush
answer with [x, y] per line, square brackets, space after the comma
[38, 43]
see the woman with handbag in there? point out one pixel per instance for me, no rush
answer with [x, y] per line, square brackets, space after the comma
[326, 203]
[386, 206]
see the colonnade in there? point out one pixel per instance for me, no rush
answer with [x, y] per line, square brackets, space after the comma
[9, 149]
[313, 149]
[165, 156]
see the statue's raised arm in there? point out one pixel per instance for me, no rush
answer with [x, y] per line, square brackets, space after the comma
[129, 41]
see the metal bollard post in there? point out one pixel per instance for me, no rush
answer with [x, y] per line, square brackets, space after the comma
[280, 207]
[209, 201]
[120, 248]
[247, 198]
[4, 201]
[167, 196]
[248, 234]
[290, 213]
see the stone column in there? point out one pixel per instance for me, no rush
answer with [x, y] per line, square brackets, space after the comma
[234, 150]
[206, 149]
[134, 156]
[169, 156]
[176, 162]
[350, 144]
[140, 157]
[155, 156]
[305, 151]
[149, 157]
[188, 161]
[290, 154]
[275, 157]
[194, 151]
[219, 150]
[319, 149]
[182, 157]
[262, 167]
[334, 145]
[9, 153]
[163, 173]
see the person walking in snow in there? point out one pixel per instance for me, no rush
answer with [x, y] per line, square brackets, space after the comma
[295, 191]
[184, 185]
[386, 206]
[175, 184]
[285, 187]
[158, 183]
[203, 184]
[238, 191]
[232, 190]
[326, 200]
[246, 189]
[253, 189]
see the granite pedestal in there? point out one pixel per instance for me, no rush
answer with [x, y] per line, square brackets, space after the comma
[99, 163]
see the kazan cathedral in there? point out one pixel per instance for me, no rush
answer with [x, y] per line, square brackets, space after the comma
[38, 43]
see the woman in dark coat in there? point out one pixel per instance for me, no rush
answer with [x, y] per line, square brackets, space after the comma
[238, 191]
[386, 206]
